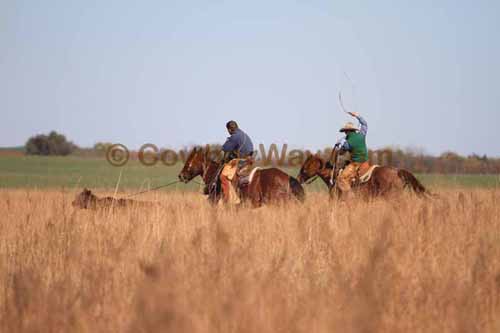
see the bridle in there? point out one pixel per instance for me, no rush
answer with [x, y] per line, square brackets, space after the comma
[310, 180]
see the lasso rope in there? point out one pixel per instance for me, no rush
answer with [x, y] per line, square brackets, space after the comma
[153, 189]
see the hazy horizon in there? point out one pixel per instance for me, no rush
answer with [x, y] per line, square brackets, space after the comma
[425, 76]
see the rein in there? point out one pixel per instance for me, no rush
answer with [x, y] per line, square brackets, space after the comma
[309, 181]
[153, 189]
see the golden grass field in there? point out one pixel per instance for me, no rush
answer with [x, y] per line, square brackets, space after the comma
[405, 266]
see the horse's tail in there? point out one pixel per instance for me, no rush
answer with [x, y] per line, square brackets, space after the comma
[410, 180]
[297, 189]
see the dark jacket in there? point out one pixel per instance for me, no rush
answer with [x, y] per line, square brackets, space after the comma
[239, 143]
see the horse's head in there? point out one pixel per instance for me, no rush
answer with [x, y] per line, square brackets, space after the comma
[193, 166]
[83, 199]
[311, 167]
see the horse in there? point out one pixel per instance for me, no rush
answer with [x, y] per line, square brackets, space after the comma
[270, 185]
[87, 200]
[384, 180]
[199, 163]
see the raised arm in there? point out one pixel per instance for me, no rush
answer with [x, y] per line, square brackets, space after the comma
[364, 125]
[363, 129]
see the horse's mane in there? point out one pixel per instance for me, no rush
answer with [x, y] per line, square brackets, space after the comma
[201, 150]
[321, 160]
[195, 150]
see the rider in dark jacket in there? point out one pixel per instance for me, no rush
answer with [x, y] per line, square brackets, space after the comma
[237, 146]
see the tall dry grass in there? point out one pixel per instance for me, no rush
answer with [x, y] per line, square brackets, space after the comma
[409, 265]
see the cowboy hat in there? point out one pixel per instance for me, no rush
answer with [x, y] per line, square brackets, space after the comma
[348, 127]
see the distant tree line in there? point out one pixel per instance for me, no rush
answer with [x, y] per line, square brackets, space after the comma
[446, 163]
[414, 160]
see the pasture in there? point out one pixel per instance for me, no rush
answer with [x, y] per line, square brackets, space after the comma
[183, 266]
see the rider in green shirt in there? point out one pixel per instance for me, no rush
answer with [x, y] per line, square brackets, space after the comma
[355, 143]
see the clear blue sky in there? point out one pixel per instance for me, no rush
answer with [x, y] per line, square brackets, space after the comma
[424, 74]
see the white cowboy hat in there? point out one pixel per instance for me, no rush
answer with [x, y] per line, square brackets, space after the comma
[348, 127]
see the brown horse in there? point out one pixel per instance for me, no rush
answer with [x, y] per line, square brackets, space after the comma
[265, 186]
[383, 181]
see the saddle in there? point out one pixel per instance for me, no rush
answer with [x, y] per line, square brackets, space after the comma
[239, 171]
[246, 169]
[365, 172]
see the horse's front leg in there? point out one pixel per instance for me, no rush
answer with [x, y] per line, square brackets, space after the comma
[214, 193]
[333, 192]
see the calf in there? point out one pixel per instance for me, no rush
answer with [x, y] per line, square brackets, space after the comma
[87, 200]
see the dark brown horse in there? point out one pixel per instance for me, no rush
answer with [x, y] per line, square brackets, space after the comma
[383, 181]
[265, 186]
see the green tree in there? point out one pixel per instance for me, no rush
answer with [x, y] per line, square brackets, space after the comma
[52, 144]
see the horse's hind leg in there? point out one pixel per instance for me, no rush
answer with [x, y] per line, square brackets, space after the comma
[255, 193]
